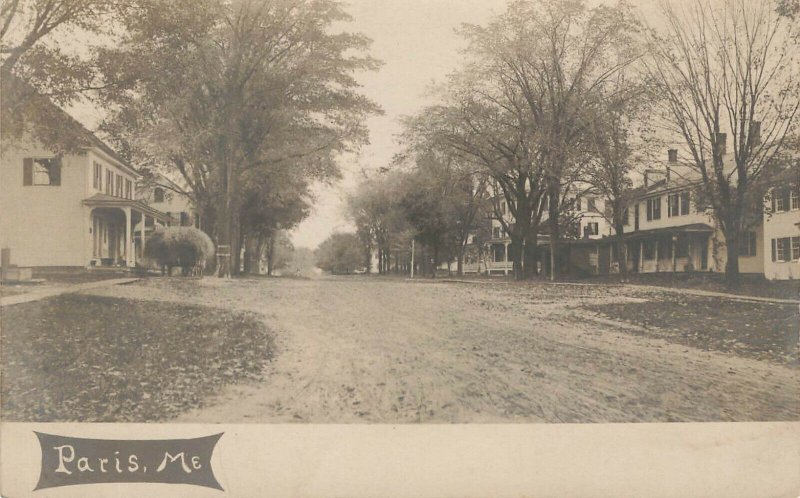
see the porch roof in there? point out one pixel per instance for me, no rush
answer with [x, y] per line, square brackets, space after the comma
[691, 228]
[104, 200]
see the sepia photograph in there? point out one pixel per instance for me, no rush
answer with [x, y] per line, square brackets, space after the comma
[401, 212]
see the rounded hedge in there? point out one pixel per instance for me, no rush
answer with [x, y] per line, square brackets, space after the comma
[186, 247]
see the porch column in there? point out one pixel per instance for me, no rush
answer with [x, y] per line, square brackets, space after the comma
[657, 244]
[674, 260]
[641, 256]
[597, 251]
[130, 260]
[142, 231]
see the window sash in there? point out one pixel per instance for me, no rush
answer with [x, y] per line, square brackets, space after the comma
[747, 244]
[673, 205]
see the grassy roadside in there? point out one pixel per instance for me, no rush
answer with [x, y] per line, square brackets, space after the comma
[97, 359]
[763, 331]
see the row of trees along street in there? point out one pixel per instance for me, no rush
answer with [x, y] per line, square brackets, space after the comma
[247, 102]
[557, 98]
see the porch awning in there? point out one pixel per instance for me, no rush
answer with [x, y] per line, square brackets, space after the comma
[104, 200]
[692, 228]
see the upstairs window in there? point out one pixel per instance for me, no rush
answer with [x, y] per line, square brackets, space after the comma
[673, 205]
[654, 209]
[747, 244]
[41, 171]
[158, 194]
[678, 204]
[119, 186]
[496, 232]
[97, 177]
[128, 189]
[784, 199]
[109, 182]
[626, 216]
[591, 204]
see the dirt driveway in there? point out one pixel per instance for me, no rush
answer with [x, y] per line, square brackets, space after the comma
[388, 351]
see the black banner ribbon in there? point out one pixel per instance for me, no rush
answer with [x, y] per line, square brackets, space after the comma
[71, 460]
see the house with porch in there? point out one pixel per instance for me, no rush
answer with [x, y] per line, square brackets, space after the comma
[588, 222]
[781, 229]
[71, 207]
[668, 229]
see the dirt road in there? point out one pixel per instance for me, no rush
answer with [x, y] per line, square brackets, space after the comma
[389, 351]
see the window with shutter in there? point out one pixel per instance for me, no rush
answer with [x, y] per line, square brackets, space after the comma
[97, 177]
[747, 244]
[782, 249]
[41, 171]
[673, 207]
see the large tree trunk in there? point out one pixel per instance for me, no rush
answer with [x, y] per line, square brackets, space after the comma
[435, 261]
[621, 248]
[732, 235]
[531, 257]
[460, 262]
[553, 226]
[517, 257]
[270, 255]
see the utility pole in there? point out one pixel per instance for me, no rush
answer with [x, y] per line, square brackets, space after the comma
[412, 258]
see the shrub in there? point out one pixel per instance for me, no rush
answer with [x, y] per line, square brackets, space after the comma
[187, 247]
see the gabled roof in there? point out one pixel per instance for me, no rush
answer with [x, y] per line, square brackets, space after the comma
[84, 138]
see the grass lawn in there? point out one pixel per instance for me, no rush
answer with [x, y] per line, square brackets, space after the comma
[755, 330]
[98, 359]
[749, 285]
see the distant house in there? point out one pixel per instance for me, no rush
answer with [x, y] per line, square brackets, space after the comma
[781, 230]
[71, 209]
[667, 229]
[169, 197]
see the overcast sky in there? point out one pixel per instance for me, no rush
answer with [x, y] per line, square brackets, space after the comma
[417, 42]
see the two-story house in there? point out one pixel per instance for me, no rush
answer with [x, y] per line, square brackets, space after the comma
[669, 229]
[781, 228]
[71, 209]
[588, 221]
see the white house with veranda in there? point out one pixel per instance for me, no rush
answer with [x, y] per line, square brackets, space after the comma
[72, 209]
